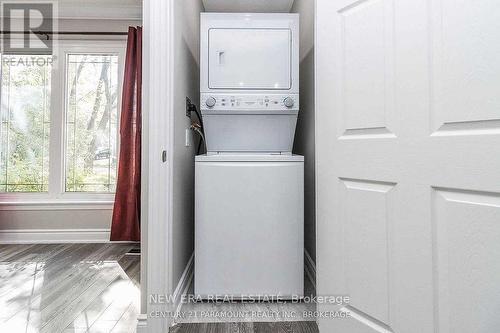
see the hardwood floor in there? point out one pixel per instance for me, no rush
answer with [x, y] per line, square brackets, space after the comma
[52, 288]
[68, 288]
[285, 317]
[211, 312]
[276, 327]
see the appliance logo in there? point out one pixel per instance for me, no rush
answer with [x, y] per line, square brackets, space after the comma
[26, 27]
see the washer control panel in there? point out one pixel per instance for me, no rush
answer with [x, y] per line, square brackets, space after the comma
[249, 102]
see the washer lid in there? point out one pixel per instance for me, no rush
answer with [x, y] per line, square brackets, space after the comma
[249, 158]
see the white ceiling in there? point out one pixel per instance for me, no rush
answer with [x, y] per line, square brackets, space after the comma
[249, 6]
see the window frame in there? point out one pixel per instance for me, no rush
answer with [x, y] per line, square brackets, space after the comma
[56, 197]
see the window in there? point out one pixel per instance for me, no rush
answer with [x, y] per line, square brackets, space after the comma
[59, 123]
[91, 122]
[25, 129]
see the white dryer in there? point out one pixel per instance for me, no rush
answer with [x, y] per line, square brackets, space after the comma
[249, 81]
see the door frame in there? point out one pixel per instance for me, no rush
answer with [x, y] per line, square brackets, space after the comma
[157, 138]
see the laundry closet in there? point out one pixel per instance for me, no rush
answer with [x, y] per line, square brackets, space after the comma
[242, 200]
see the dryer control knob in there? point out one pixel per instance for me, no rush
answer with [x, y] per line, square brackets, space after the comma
[210, 102]
[288, 102]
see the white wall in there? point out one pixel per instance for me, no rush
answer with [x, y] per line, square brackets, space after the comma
[55, 225]
[186, 83]
[304, 136]
[55, 219]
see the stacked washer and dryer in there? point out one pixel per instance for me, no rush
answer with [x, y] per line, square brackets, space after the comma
[249, 195]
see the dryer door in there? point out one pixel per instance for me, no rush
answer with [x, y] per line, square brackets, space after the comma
[249, 59]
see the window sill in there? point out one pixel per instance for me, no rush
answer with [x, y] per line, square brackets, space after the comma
[56, 205]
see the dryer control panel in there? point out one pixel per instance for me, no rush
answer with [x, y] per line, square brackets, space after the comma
[235, 102]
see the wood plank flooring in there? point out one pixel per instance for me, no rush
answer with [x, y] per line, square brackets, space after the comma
[276, 327]
[285, 317]
[54, 288]
[211, 312]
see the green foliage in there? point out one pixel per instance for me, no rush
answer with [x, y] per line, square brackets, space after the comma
[91, 125]
[25, 128]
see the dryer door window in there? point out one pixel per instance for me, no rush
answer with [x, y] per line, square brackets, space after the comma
[249, 59]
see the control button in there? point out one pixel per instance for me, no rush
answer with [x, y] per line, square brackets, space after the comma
[210, 102]
[288, 102]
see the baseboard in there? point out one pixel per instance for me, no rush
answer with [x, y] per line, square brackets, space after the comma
[44, 236]
[310, 268]
[183, 285]
[142, 323]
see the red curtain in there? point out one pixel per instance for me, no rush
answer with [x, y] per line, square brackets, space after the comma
[125, 225]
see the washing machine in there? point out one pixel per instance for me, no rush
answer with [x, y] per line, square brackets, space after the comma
[249, 237]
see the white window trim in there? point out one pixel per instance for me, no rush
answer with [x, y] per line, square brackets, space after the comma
[57, 198]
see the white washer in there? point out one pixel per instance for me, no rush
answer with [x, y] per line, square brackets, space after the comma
[249, 237]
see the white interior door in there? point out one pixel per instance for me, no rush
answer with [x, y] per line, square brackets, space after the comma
[408, 164]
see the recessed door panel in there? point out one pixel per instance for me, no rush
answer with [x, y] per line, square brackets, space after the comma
[366, 232]
[465, 99]
[466, 266]
[249, 59]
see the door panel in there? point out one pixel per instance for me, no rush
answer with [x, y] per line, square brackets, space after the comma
[465, 66]
[408, 180]
[467, 248]
[366, 245]
[366, 46]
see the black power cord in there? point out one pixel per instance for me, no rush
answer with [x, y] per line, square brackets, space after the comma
[190, 107]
